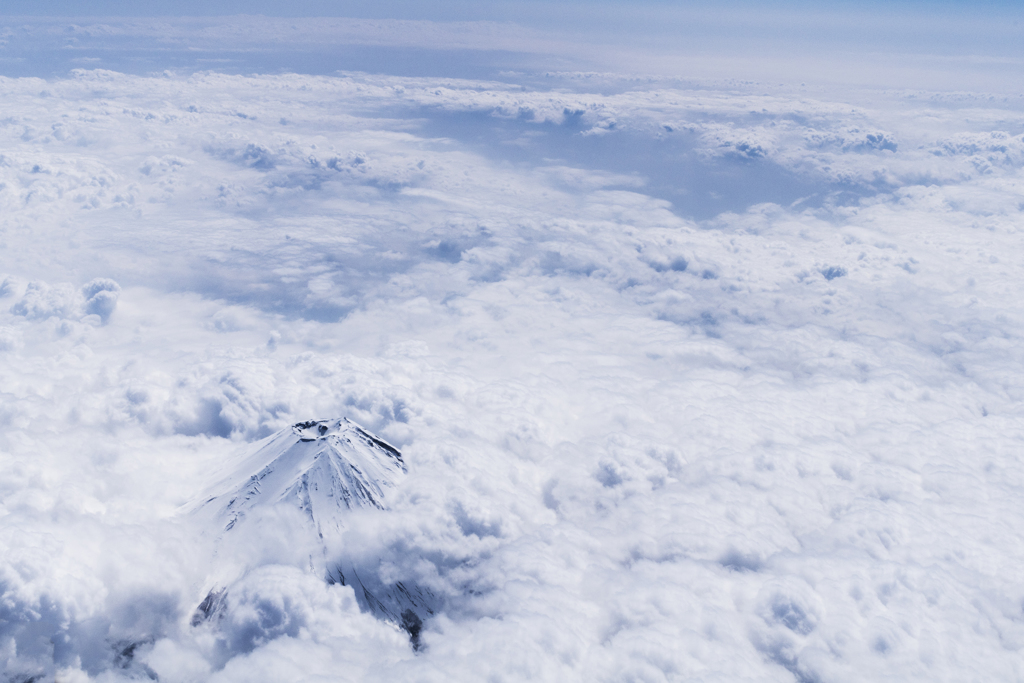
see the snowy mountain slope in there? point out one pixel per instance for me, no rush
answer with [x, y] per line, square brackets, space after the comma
[325, 469]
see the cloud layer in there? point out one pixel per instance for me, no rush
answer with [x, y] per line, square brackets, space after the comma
[717, 383]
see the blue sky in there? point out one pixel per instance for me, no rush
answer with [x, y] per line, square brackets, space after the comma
[990, 28]
[944, 45]
[465, 9]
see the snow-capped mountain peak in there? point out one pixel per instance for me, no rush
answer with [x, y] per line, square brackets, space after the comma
[324, 467]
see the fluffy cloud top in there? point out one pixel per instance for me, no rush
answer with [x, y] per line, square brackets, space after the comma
[97, 298]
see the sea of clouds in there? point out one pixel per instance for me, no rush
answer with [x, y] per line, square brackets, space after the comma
[695, 380]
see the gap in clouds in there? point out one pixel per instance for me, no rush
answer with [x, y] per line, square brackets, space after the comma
[666, 164]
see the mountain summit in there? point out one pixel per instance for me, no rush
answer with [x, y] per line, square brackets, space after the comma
[325, 469]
